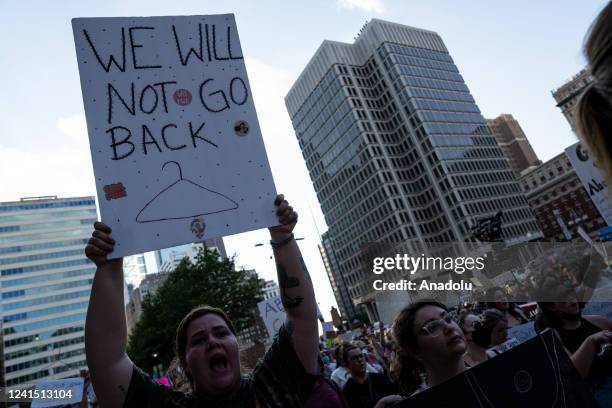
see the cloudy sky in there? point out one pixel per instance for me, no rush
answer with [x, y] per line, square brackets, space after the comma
[511, 54]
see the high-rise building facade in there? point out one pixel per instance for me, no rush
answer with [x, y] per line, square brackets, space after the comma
[397, 149]
[45, 283]
[568, 94]
[513, 142]
[339, 287]
[560, 202]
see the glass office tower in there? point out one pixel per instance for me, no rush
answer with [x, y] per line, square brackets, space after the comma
[45, 283]
[397, 148]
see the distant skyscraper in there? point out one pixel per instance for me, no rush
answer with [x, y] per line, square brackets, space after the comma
[513, 142]
[339, 287]
[45, 283]
[397, 148]
[567, 95]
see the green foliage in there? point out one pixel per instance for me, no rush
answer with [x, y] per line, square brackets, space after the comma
[209, 281]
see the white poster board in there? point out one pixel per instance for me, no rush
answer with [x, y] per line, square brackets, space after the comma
[272, 312]
[592, 180]
[52, 393]
[177, 150]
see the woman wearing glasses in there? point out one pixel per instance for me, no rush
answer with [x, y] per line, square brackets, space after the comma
[363, 389]
[431, 346]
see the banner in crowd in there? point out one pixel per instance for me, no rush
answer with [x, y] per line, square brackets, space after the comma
[177, 151]
[53, 393]
[535, 373]
[592, 179]
[272, 313]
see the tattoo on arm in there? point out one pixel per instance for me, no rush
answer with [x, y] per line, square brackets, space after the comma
[287, 282]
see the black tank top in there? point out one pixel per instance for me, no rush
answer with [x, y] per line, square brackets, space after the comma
[572, 340]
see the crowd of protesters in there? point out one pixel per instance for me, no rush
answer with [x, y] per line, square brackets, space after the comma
[427, 344]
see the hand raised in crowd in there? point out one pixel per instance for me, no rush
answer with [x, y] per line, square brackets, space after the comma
[286, 216]
[100, 245]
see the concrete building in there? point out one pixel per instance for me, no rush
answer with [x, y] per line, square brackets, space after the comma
[560, 201]
[397, 148]
[270, 289]
[45, 283]
[189, 250]
[567, 95]
[513, 142]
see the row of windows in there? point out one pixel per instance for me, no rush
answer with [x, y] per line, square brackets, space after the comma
[45, 289]
[468, 153]
[42, 312]
[45, 300]
[422, 62]
[306, 112]
[46, 372]
[435, 94]
[425, 73]
[21, 218]
[48, 277]
[54, 265]
[45, 347]
[45, 323]
[454, 117]
[44, 360]
[433, 84]
[55, 204]
[330, 132]
[329, 109]
[43, 335]
[38, 257]
[45, 245]
[47, 225]
[75, 232]
[417, 52]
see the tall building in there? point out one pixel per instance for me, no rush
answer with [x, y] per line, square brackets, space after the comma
[397, 149]
[339, 287]
[163, 255]
[513, 142]
[560, 202]
[567, 95]
[45, 283]
[270, 289]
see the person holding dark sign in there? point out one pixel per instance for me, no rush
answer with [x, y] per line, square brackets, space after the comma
[206, 342]
[363, 389]
[588, 341]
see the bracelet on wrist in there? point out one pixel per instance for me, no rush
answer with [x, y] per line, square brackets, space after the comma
[282, 243]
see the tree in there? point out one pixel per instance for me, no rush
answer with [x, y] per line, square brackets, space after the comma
[208, 281]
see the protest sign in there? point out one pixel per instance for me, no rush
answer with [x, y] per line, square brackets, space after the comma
[52, 393]
[592, 180]
[273, 314]
[535, 373]
[522, 332]
[176, 146]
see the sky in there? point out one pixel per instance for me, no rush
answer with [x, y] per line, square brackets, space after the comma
[511, 55]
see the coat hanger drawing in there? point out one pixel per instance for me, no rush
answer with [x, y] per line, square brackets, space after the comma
[184, 199]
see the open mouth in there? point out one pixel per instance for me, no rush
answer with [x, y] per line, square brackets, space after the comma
[455, 339]
[218, 364]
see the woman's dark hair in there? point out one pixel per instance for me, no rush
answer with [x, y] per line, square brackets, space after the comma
[483, 329]
[345, 352]
[408, 370]
[181, 333]
[462, 316]
[594, 110]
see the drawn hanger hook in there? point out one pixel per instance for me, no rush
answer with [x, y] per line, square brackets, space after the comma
[177, 165]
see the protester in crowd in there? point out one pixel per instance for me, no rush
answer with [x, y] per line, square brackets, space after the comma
[594, 110]
[431, 346]
[491, 331]
[341, 373]
[475, 354]
[206, 342]
[498, 299]
[325, 393]
[584, 338]
[363, 389]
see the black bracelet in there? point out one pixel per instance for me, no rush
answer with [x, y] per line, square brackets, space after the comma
[278, 244]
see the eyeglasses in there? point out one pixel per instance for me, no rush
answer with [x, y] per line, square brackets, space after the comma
[435, 328]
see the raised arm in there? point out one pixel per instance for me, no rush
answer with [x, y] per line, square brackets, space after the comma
[105, 327]
[297, 293]
[584, 356]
